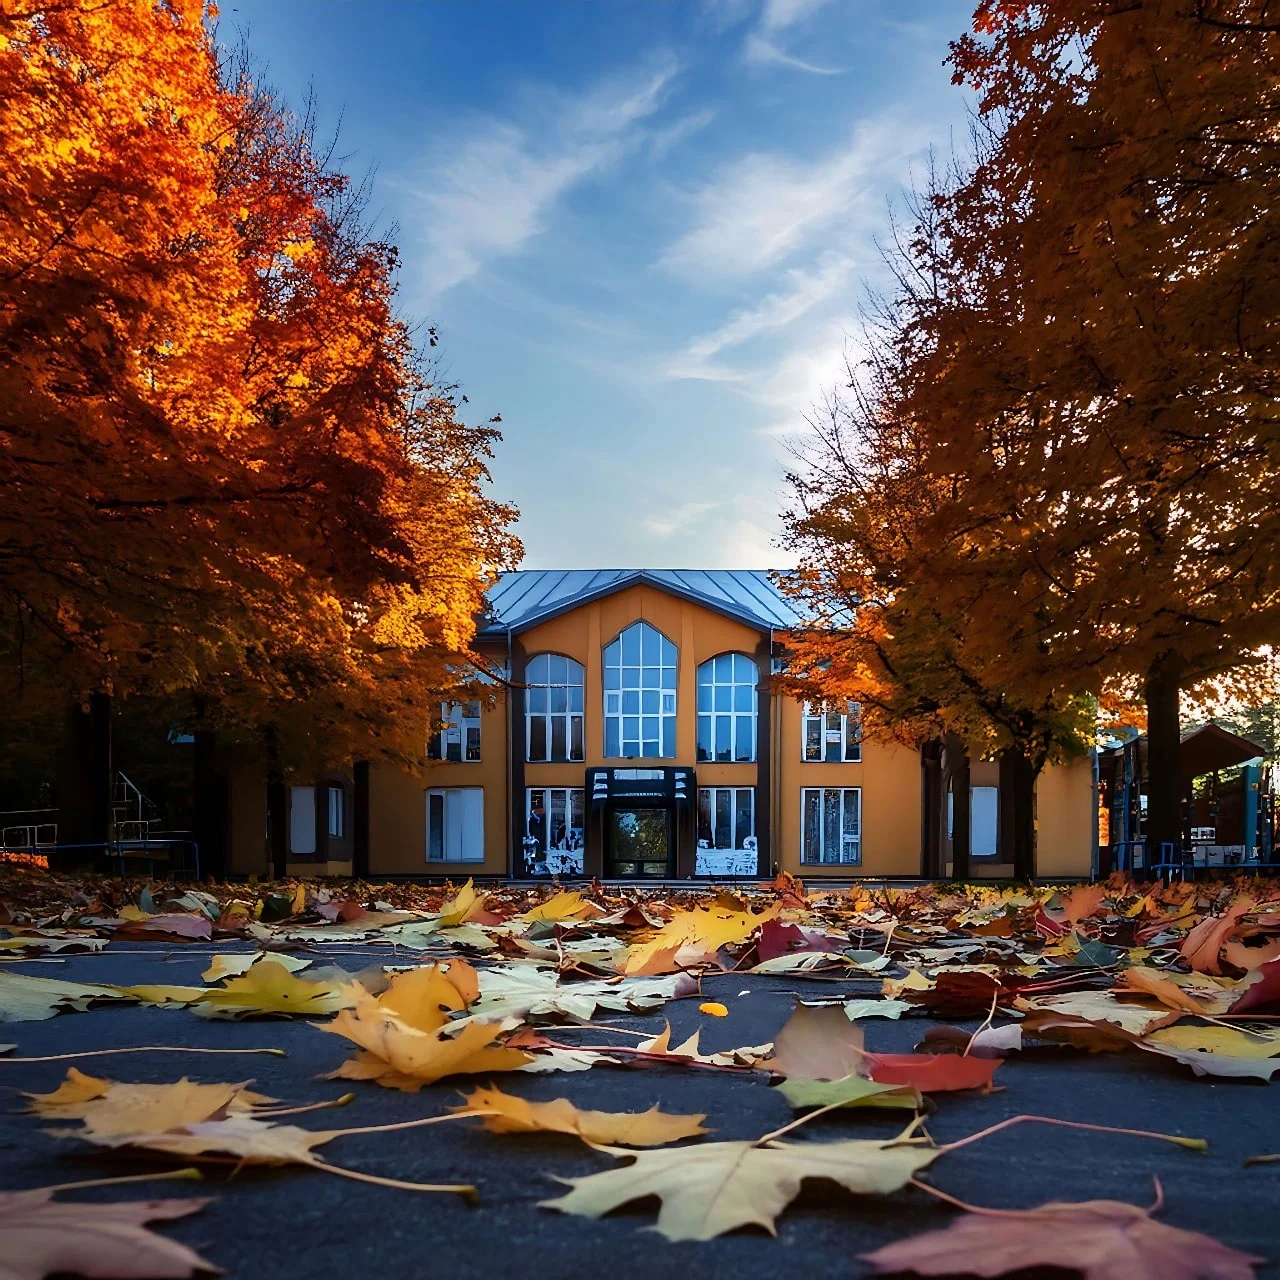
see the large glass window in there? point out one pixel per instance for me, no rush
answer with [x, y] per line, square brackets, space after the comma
[831, 825]
[459, 740]
[727, 818]
[455, 824]
[553, 708]
[832, 733]
[727, 708]
[640, 694]
[554, 830]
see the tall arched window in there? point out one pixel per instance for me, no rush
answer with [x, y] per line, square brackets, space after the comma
[640, 694]
[727, 708]
[553, 708]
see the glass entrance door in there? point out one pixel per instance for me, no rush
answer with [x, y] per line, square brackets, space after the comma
[639, 843]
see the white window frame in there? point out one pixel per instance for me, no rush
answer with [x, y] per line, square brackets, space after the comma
[457, 842]
[337, 806]
[548, 717]
[740, 839]
[714, 718]
[844, 727]
[566, 854]
[845, 837]
[462, 726]
[984, 820]
[661, 710]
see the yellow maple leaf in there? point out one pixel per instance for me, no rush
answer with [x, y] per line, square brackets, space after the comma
[1224, 1040]
[424, 997]
[268, 987]
[509, 1114]
[697, 933]
[461, 907]
[400, 1056]
[566, 905]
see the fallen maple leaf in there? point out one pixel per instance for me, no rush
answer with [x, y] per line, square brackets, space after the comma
[817, 1044]
[693, 936]
[718, 1186]
[1101, 1239]
[400, 1056]
[509, 1114]
[1201, 948]
[932, 1073]
[463, 906]
[1260, 991]
[852, 1091]
[269, 988]
[1151, 982]
[424, 997]
[27, 999]
[108, 1107]
[40, 1236]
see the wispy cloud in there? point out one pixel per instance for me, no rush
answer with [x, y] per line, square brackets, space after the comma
[759, 50]
[760, 209]
[777, 16]
[495, 190]
[804, 289]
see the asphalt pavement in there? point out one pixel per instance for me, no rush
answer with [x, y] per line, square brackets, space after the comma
[294, 1222]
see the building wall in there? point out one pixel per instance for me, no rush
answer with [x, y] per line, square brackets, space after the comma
[398, 806]
[888, 775]
[1064, 820]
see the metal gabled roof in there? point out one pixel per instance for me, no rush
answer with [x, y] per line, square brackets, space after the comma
[526, 597]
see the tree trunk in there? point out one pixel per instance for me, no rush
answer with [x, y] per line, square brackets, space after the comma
[1164, 782]
[957, 765]
[932, 863]
[209, 817]
[277, 807]
[1016, 827]
[84, 783]
[360, 824]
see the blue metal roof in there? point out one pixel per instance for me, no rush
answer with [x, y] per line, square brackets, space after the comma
[526, 597]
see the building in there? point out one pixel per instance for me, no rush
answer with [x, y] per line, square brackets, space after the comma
[635, 735]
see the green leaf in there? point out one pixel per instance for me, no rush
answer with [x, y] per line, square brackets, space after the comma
[852, 1091]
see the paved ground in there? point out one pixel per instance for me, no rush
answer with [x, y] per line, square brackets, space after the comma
[300, 1223]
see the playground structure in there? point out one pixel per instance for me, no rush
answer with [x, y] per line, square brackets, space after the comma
[1228, 809]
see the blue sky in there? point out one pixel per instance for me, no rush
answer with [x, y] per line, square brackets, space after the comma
[642, 229]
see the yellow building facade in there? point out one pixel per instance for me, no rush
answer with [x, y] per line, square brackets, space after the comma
[635, 734]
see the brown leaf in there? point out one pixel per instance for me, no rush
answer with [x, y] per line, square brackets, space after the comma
[40, 1236]
[1203, 945]
[1100, 1239]
[817, 1044]
[1150, 982]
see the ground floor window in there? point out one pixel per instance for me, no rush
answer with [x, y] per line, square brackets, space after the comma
[726, 831]
[984, 809]
[455, 824]
[831, 825]
[302, 820]
[337, 812]
[554, 830]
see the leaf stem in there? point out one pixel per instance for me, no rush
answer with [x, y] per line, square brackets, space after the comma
[795, 1124]
[148, 1048]
[409, 1124]
[1194, 1144]
[461, 1189]
[174, 1175]
[313, 1106]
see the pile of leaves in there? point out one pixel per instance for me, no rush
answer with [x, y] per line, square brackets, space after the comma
[492, 983]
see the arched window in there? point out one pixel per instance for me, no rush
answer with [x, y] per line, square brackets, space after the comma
[640, 694]
[727, 708]
[553, 708]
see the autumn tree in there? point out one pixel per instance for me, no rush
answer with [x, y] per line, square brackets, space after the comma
[226, 475]
[1138, 373]
[869, 498]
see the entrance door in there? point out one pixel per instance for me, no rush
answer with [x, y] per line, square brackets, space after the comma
[639, 843]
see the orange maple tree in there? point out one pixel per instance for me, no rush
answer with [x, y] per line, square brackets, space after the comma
[228, 472]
